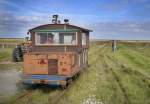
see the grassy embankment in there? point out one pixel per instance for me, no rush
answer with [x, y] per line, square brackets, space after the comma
[112, 78]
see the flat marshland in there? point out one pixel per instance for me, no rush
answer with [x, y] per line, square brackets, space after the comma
[122, 77]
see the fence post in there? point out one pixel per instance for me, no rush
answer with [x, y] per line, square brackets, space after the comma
[3, 46]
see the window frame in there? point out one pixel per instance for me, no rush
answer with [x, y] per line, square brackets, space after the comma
[37, 44]
[85, 39]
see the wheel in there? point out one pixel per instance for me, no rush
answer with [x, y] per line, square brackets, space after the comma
[63, 87]
[14, 55]
[17, 54]
[75, 76]
[20, 53]
[69, 81]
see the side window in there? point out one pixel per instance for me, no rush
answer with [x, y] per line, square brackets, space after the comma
[84, 39]
[56, 38]
[41, 38]
[68, 38]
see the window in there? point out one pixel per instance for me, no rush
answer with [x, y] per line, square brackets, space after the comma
[55, 38]
[83, 39]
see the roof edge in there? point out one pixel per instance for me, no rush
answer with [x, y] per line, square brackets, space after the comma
[30, 30]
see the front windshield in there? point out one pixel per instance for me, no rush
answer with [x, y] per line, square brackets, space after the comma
[55, 38]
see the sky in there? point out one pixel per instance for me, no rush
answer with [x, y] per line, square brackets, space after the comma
[109, 19]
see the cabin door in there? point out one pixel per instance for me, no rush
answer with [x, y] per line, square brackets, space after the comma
[52, 66]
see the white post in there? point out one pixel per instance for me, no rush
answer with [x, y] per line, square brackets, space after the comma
[3, 46]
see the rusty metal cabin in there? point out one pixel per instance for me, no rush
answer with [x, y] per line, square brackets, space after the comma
[58, 52]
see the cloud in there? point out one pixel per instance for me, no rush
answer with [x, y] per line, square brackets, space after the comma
[16, 17]
[114, 6]
[121, 30]
[11, 24]
[17, 26]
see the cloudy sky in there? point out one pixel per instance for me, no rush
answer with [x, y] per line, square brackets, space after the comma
[109, 19]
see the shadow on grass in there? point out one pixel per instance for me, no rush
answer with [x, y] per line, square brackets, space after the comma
[43, 87]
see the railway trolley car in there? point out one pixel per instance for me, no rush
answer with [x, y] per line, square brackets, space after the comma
[58, 52]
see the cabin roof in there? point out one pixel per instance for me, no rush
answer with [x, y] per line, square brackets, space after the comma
[57, 27]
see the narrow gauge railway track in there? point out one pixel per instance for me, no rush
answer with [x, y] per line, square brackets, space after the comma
[127, 69]
[61, 93]
[123, 89]
[25, 94]
[102, 48]
[126, 98]
[54, 100]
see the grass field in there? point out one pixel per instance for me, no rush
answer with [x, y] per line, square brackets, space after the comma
[6, 54]
[111, 78]
[11, 40]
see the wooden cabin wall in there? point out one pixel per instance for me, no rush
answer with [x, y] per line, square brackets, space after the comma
[79, 49]
[80, 39]
[54, 49]
[33, 38]
[83, 49]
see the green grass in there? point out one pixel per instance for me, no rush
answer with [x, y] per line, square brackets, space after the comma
[111, 78]
[6, 54]
[9, 40]
[6, 60]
